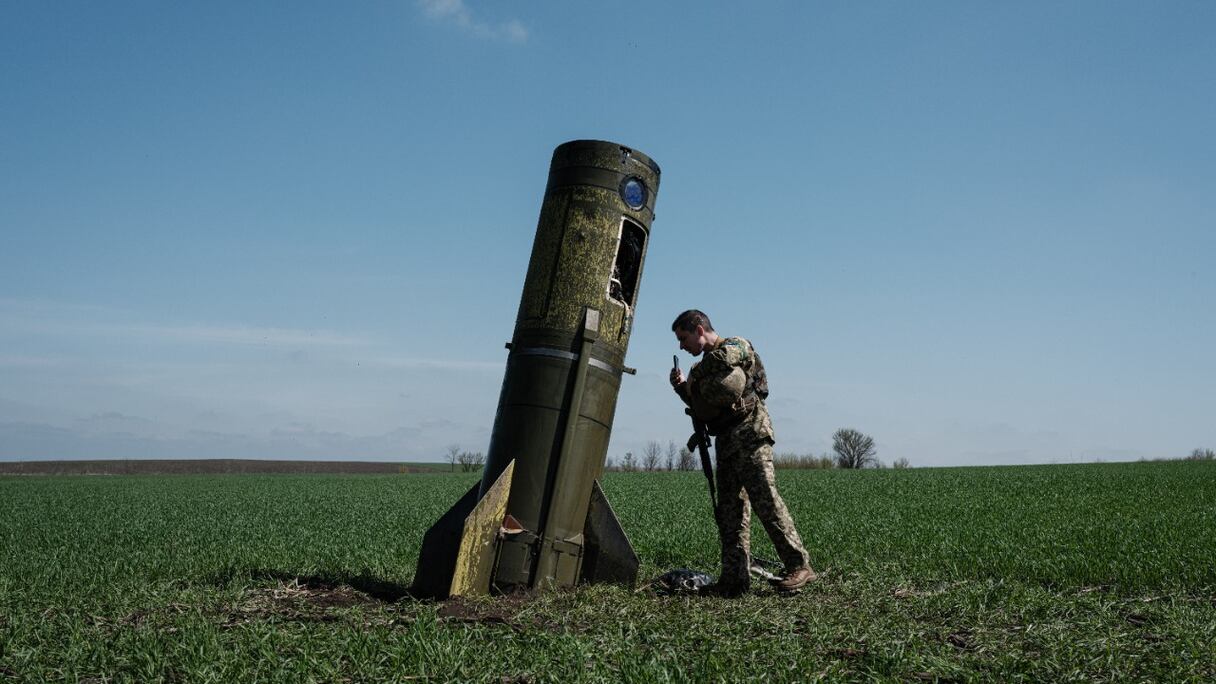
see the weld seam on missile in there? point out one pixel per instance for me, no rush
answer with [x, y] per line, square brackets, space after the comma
[569, 356]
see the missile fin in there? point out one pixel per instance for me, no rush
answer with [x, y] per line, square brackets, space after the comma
[475, 560]
[607, 554]
[455, 555]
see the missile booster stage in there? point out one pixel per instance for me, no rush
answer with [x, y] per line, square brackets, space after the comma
[538, 518]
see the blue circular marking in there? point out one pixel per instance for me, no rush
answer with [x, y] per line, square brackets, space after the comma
[634, 193]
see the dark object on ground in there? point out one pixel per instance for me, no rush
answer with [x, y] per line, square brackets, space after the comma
[681, 581]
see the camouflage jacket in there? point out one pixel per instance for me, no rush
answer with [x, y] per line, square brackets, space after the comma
[721, 389]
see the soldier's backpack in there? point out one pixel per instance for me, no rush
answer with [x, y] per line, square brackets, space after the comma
[758, 377]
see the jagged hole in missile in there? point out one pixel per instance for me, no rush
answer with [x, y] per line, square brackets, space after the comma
[623, 284]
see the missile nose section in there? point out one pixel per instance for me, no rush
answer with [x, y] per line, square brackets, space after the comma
[539, 518]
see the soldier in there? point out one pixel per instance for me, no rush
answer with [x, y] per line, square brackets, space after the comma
[726, 391]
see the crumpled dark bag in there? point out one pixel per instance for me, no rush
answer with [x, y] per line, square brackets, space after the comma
[681, 581]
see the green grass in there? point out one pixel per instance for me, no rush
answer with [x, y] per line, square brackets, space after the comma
[1099, 572]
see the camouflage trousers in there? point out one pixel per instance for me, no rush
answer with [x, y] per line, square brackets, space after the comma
[745, 475]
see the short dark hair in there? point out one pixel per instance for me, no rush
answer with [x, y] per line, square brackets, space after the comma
[689, 320]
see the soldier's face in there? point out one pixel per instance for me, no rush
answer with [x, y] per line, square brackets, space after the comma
[692, 341]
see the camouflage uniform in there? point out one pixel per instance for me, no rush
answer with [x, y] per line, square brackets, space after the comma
[728, 402]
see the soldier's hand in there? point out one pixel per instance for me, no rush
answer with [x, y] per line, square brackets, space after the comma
[677, 377]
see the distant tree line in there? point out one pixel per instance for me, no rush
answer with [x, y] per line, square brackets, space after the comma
[655, 457]
[1195, 455]
[466, 461]
[852, 450]
[1202, 455]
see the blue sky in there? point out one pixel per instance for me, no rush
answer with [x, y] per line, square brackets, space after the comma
[982, 233]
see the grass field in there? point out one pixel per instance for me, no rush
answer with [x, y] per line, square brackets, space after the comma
[1103, 572]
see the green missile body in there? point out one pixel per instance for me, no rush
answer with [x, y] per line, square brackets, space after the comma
[538, 517]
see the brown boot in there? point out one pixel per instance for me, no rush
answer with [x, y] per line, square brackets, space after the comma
[796, 579]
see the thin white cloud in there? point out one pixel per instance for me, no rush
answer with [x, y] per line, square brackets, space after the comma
[436, 364]
[199, 334]
[112, 417]
[26, 361]
[11, 306]
[251, 335]
[457, 13]
[43, 318]
[425, 441]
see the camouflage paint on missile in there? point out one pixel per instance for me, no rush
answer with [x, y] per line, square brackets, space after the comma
[559, 391]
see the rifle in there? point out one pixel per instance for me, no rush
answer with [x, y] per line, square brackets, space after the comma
[700, 441]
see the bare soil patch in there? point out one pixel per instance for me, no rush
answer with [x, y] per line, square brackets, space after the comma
[296, 601]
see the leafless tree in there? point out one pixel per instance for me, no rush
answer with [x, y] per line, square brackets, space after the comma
[1202, 455]
[609, 463]
[853, 449]
[672, 455]
[687, 462]
[651, 454]
[453, 455]
[470, 461]
[901, 463]
[627, 463]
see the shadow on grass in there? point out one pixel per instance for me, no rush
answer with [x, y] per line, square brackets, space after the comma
[315, 597]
